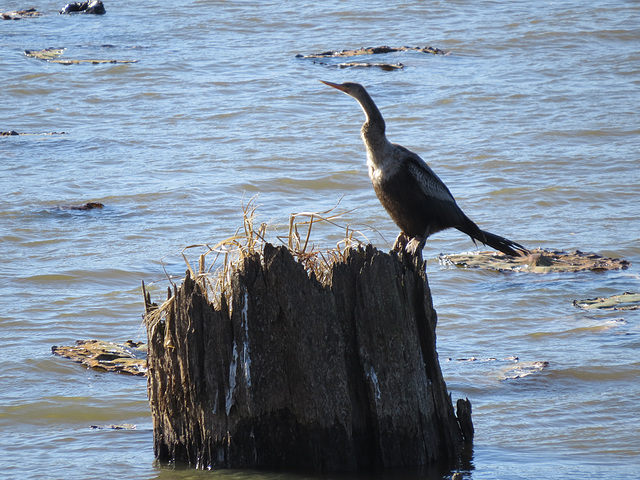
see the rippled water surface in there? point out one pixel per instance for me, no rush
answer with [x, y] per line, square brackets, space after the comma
[531, 120]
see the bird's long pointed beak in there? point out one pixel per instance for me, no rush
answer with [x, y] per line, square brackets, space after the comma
[340, 87]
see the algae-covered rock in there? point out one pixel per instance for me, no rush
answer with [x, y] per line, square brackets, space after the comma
[114, 426]
[523, 369]
[509, 368]
[45, 54]
[129, 357]
[538, 261]
[20, 14]
[624, 301]
[383, 66]
[52, 55]
[373, 51]
[368, 51]
[13, 133]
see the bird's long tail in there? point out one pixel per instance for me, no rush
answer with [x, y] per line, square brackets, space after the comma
[492, 240]
[499, 243]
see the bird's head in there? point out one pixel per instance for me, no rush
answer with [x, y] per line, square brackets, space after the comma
[375, 122]
[356, 90]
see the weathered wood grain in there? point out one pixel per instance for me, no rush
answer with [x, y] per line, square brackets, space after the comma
[289, 372]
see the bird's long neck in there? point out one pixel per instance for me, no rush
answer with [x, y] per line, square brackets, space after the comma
[373, 129]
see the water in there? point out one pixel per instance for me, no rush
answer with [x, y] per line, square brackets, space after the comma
[532, 122]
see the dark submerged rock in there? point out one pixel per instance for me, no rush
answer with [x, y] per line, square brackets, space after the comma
[84, 206]
[94, 6]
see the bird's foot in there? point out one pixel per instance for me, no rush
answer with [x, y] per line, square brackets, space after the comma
[410, 251]
[414, 247]
[401, 242]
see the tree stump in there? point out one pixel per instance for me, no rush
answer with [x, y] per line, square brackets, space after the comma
[288, 372]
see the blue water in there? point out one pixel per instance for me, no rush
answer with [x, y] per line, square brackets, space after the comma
[531, 121]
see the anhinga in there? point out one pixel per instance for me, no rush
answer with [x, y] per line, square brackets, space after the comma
[415, 198]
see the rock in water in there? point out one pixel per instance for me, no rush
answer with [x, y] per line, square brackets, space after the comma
[94, 6]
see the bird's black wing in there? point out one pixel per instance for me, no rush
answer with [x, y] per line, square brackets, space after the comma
[429, 182]
[434, 209]
[416, 198]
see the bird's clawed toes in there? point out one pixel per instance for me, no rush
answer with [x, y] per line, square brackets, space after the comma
[414, 247]
[401, 242]
[404, 243]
